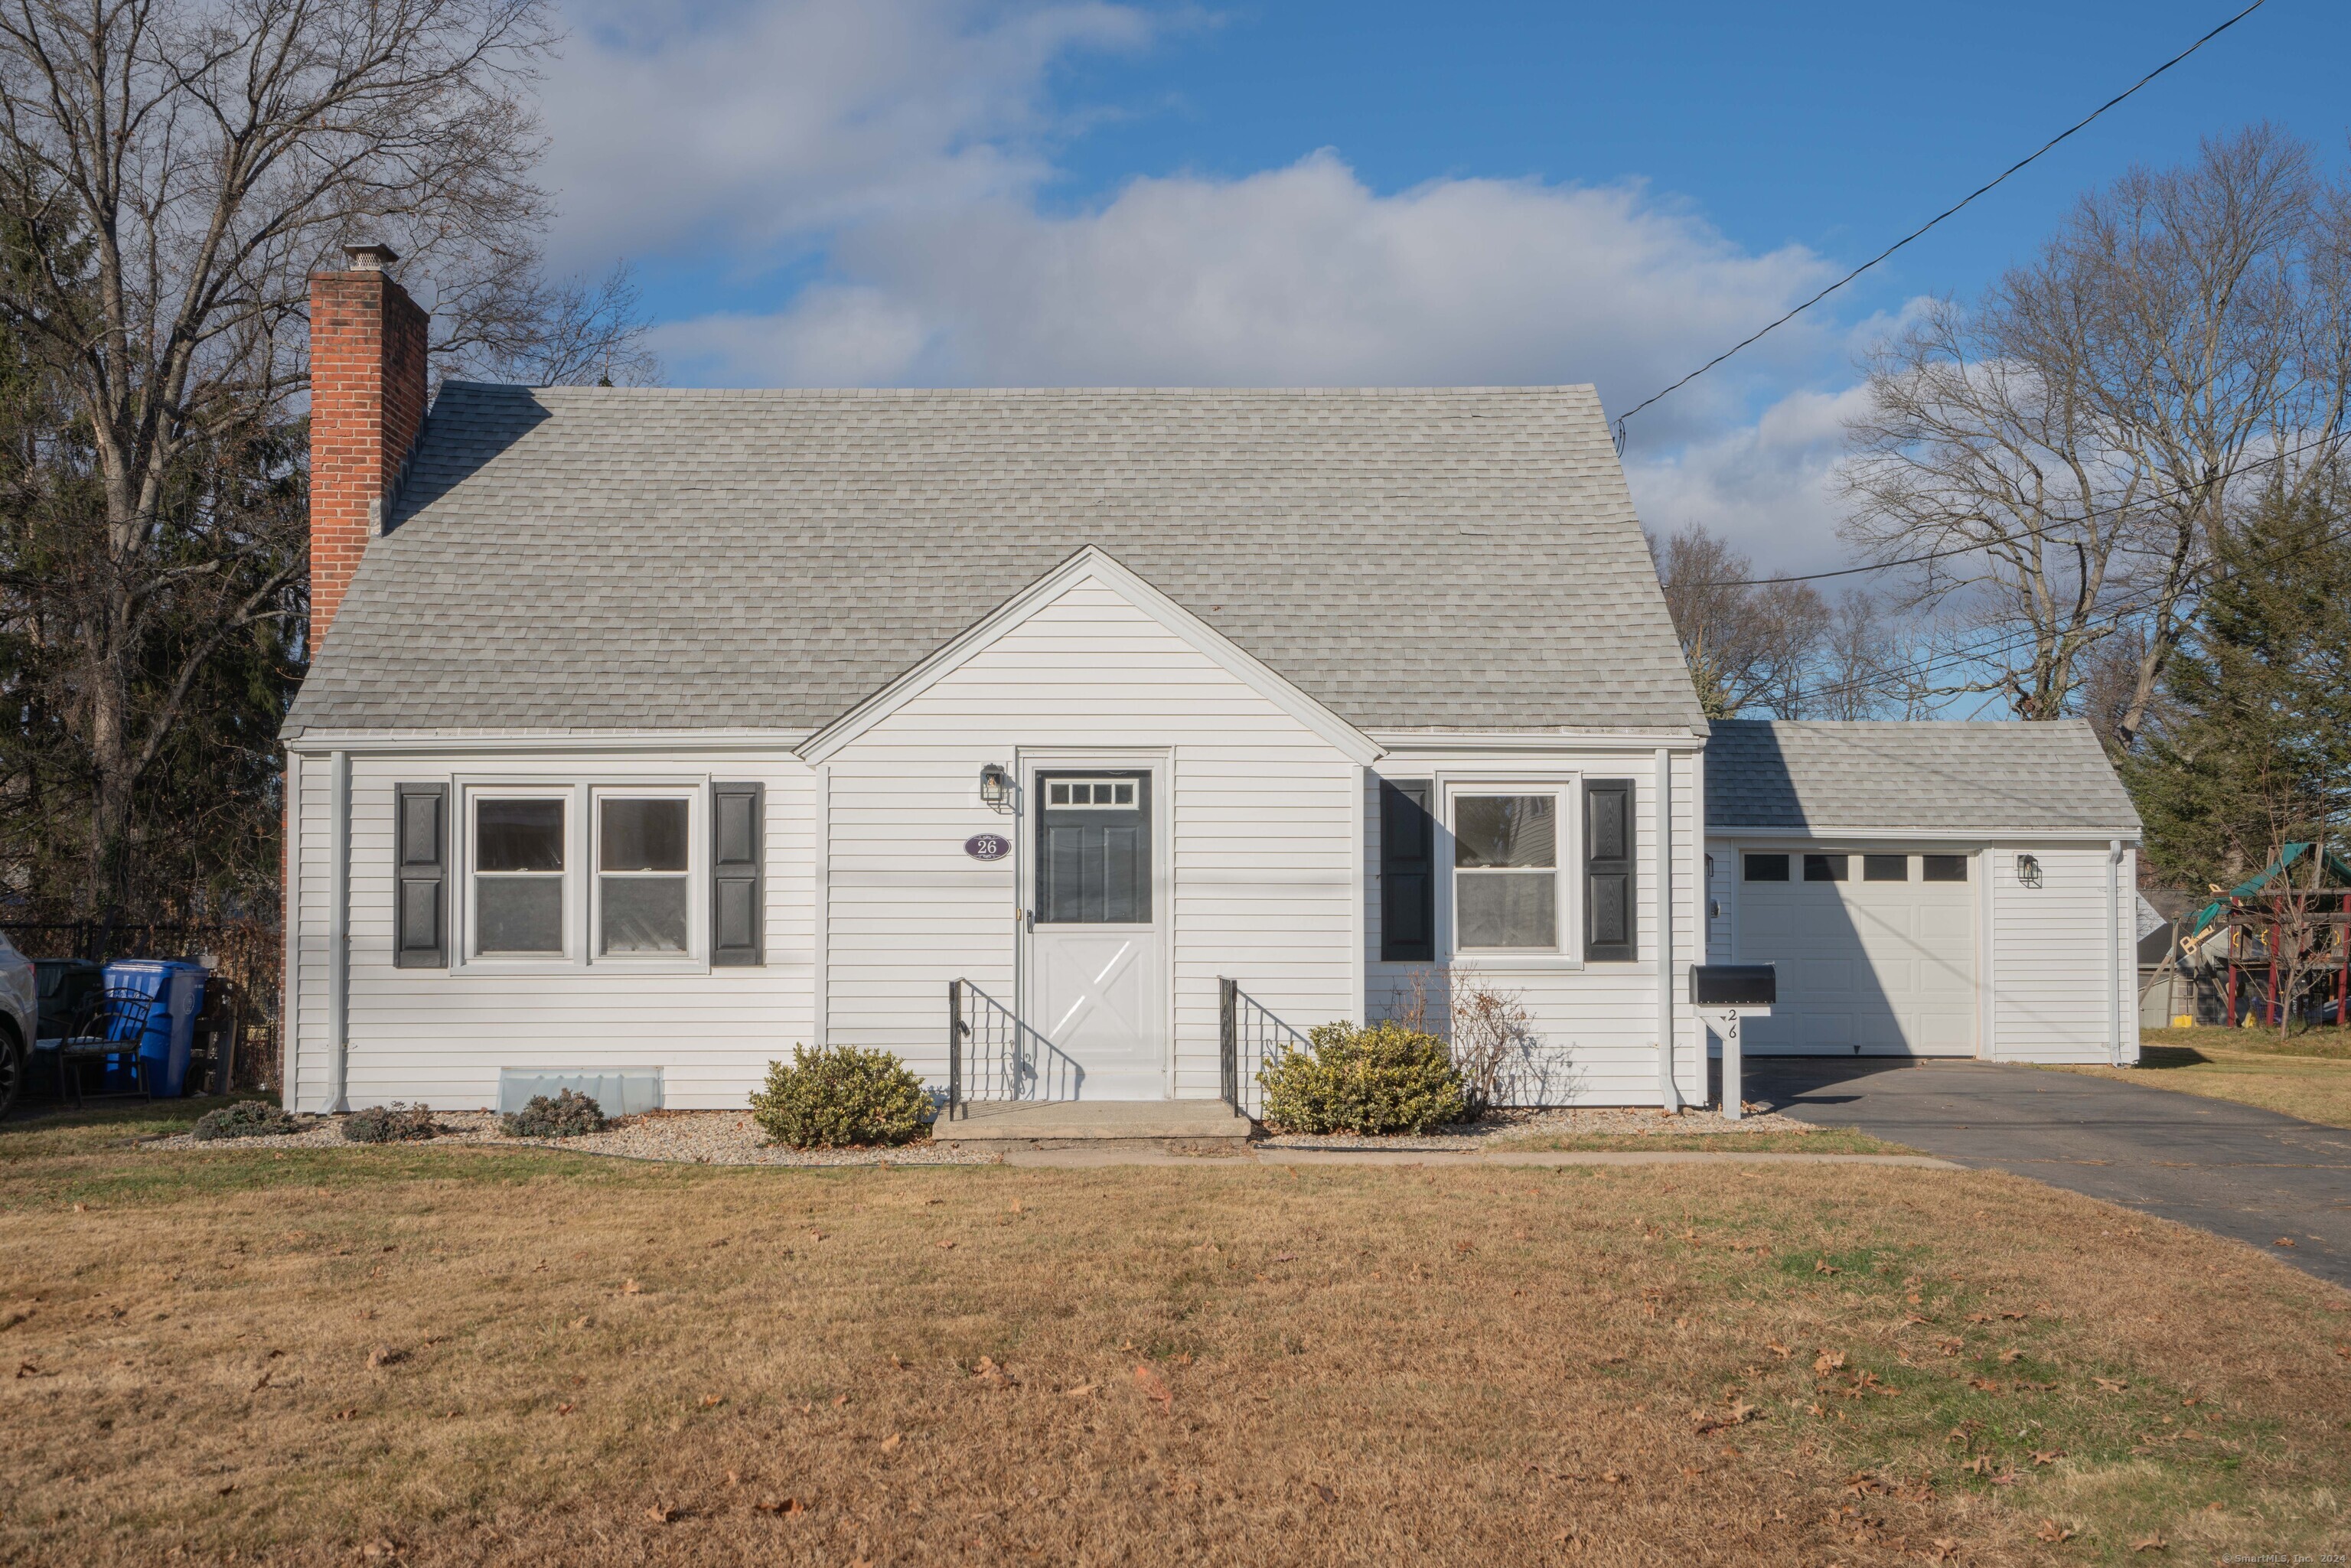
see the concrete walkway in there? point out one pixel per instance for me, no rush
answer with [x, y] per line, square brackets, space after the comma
[2235, 1170]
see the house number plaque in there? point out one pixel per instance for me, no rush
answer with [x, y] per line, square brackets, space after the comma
[988, 846]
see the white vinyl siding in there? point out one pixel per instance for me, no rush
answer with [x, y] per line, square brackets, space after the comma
[2049, 965]
[1260, 877]
[1595, 1025]
[441, 1036]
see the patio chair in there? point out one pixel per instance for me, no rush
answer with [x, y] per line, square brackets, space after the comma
[109, 1023]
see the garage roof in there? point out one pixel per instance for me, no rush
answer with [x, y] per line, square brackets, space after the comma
[1927, 777]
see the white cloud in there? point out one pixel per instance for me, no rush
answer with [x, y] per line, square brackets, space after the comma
[1768, 488]
[748, 129]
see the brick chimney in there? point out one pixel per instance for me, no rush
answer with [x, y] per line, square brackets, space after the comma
[367, 402]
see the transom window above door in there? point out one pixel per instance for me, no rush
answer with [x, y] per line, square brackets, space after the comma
[1112, 794]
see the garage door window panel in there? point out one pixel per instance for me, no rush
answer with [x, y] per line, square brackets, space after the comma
[1885, 868]
[1767, 868]
[1506, 863]
[1826, 868]
[1943, 868]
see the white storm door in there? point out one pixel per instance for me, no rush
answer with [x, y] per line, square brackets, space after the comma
[1096, 960]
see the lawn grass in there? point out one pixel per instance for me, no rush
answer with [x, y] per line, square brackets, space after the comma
[1826, 1141]
[477, 1357]
[2306, 1075]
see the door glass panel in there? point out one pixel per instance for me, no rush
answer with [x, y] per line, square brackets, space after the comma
[1094, 849]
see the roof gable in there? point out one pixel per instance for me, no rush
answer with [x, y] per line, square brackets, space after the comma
[1092, 566]
[631, 559]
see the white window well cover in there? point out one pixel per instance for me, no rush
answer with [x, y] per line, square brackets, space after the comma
[1506, 861]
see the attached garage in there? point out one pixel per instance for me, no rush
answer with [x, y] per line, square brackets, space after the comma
[1928, 889]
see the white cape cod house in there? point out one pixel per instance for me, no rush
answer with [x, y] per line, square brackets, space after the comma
[1053, 740]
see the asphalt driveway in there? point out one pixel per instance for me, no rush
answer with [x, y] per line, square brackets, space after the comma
[2236, 1170]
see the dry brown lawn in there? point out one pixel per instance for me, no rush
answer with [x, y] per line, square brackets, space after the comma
[2307, 1074]
[470, 1356]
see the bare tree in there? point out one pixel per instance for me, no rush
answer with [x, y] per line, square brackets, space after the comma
[170, 173]
[2071, 450]
[1750, 647]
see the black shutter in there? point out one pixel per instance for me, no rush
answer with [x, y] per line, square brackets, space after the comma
[1408, 874]
[736, 894]
[421, 871]
[1608, 870]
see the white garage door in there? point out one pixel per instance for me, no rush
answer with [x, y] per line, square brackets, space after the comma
[1876, 952]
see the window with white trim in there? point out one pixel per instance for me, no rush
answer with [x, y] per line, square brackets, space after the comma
[1506, 871]
[518, 876]
[644, 872]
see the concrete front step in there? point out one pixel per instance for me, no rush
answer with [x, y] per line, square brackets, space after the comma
[1067, 1124]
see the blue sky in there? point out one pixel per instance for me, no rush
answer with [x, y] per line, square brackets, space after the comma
[948, 192]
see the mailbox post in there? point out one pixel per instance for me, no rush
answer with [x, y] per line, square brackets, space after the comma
[1723, 993]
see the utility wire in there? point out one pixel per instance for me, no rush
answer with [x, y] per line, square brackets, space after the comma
[2112, 616]
[2026, 533]
[1938, 218]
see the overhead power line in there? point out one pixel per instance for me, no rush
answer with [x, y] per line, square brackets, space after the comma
[1956, 206]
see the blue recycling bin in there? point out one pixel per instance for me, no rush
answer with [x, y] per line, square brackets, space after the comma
[178, 988]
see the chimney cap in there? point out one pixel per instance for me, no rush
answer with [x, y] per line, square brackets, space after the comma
[369, 257]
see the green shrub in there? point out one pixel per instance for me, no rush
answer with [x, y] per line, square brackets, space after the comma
[245, 1118]
[393, 1124]
[842, 1096]
[568, 1115]
[1382, 1079]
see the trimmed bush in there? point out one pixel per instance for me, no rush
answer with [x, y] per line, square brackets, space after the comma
[568, 1115]
[1382, 1079]
[394, 1123]
[245, 1118]
[841, 1096]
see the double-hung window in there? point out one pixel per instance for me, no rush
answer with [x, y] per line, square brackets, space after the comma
[1506, 871]
[645, 866]
[518, 876]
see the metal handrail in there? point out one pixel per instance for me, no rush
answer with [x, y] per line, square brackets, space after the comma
[993, 1056]
[1250, 1038]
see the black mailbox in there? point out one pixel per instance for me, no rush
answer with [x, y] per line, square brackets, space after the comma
[1734, 984]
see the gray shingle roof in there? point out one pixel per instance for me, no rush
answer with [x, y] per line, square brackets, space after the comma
[598, 557]
[1930, 777]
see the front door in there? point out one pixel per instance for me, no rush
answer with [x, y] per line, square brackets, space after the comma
[1096, 993]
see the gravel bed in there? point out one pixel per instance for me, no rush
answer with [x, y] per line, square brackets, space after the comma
[1611, 1122]
[686, 1137]
[732, 1138]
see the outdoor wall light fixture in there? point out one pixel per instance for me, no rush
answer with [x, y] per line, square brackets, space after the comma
[2027, 870]
[995, 786]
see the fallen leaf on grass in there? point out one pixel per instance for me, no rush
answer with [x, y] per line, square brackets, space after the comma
[1823, 1266]
[785, 1505]
[2053, 1532]
[839, 1400]
[2047, 1456]
[1613, 1477]
[2010, 1357]
[2282, 1241]
[890, 1443]
[224, 1491]
[946, 1246]
[734, 1477]
[1828, 1360]
[581, 1323]
[1776, 1348]
[1980, 1465]
[631, 1288]
[661, 1515]
[1292, 1257]
[386, 1355]
[1155, 1389]
[1947, 1549]
[1983, 1384]
[995, 1376]
[1082, 1391]
[2111, 1384]
[2006, 1479]
[1980, 1317]
[2154, 1543]
[563, 1410]
[708, 1400]
[1325, 1493]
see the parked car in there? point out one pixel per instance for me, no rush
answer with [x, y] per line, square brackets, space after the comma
[19, 1004]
